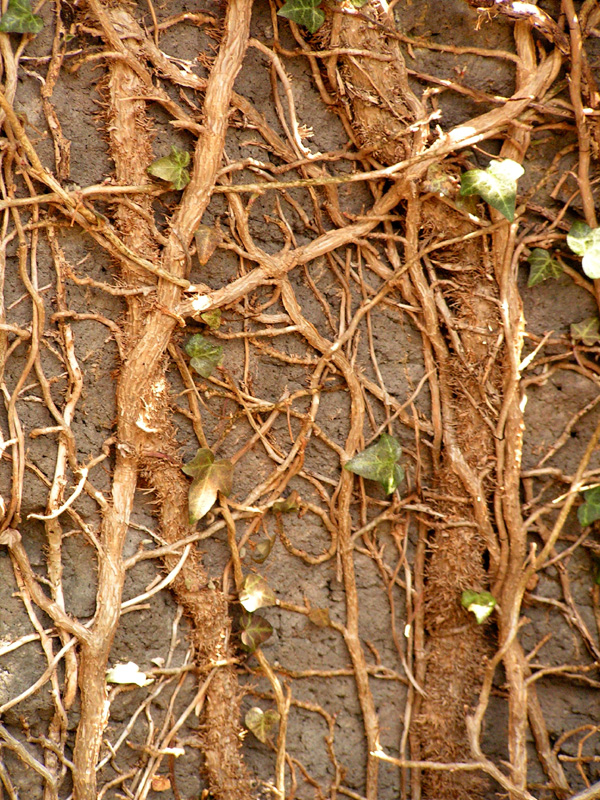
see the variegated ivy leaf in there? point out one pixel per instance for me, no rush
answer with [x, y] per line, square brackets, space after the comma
[205, 357]
[479, 603]
[303, 12]
[542, 267]
[210, 478]
[256, 593]
[379, 462]
[19, 18]
[255, 630]
[587, 331]
[261, 723]
[497, 185]
[585, 241]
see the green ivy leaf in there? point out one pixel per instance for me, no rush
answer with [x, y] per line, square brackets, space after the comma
[172, 168]
[303, 12]
[379, 463]
[587, 331]
[497, 185]
[255, 631]
[543, 266]
[479, 603]
[261, 723]
[585, 241]
[19, 18]
[590, 511]
[256, 593]
[210, 478]
[204, 355]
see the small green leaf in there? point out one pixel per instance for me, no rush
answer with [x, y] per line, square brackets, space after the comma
[172, 168]
[210, 478]
[255, 631]
[204, 355]
[497, 185]
[19, 18]
[256, 593]
[590, 511]
[543, 266]
[479, 603]
[261, 723]
[303, 12]
[379, 463]
[587, 331]
[212, 318]
[263, 550]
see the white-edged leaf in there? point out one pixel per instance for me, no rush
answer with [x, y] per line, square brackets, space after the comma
[303, 12]
[579, 237]
[210, 478]
[127, 674]
[585, 241]
[542, 267]
[379, 463]
[261, 723]
[497, 185]
[479, 603]
[256, 593]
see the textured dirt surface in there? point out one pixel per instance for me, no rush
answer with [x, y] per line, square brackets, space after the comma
[311, 660]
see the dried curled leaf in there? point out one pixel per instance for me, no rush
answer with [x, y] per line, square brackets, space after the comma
[256, 593]
[206, 239]
[379, 463]
[497, 185]
[319, 617]
[261, 723]
[263, 549]
[128, 673]
[210, 478]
